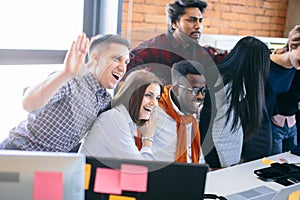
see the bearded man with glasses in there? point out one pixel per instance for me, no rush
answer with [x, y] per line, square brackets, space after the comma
[177, 135]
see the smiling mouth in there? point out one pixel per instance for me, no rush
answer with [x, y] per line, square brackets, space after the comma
[148, 109]
[116, 76]
[198, 103]
[196, 34]
[298, 65]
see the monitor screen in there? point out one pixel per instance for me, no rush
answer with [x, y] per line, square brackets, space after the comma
[165, 180]
[41, 175]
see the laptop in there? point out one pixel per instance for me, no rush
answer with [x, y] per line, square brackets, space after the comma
[265, 193]
[31, 175]
[165, 180]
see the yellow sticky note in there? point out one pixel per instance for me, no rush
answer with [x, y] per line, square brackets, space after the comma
[88, 169]
[116, 197]
[294, 195]
[267, 161]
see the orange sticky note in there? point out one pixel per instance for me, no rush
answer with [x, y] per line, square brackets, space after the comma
[294, 195]
[267, 161]
[88, 168]
[134, 178]
[115, 197]
[48, 186]
[107, 181]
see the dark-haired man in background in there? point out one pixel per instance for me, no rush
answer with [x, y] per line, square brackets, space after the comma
[181, 42]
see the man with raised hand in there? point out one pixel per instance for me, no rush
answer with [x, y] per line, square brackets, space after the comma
[64, 106]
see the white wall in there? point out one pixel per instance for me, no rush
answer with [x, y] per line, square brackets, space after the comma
[226, 42]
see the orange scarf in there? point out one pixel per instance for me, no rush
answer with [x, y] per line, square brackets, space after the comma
[182, 121]
[138, 140]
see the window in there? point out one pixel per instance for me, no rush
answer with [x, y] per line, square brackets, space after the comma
[35, 36]
[13, 79]
[36, 24]
[33, 32]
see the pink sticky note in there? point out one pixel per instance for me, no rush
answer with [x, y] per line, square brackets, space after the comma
[107, 181]
[48, 186]
[134, 178]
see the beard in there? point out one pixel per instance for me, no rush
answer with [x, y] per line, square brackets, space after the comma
[186, 38]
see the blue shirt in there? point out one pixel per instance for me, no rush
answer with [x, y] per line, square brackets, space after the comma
[279, 81]
[287, 103]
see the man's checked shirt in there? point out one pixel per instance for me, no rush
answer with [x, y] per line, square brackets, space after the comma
[61, 124]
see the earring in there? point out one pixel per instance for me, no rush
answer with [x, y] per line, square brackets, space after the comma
[174, 26]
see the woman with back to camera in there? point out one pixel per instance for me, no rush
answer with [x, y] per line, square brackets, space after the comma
[244, 71]
[112, 134]
[280, 80]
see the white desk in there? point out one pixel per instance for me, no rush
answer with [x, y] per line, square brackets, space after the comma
[240, 177]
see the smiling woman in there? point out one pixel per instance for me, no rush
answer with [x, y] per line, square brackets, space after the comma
[114, 131]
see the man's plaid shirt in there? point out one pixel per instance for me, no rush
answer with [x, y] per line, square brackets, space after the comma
[62, 123]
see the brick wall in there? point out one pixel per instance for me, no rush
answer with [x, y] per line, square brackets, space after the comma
[143, 19]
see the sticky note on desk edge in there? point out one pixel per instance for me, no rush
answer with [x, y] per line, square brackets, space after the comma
[267, 161]
[87, 178]
[116, 197]
[294, 195]
[134, 178]
[48, 185]
[107, 181]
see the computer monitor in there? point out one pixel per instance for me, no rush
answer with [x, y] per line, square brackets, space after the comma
[21, 171]
[165, 180]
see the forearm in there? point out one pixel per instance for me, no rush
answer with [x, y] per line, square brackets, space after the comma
[37, 96]
[282, 59]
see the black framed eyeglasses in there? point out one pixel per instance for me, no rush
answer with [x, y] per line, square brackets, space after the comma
[196, 90]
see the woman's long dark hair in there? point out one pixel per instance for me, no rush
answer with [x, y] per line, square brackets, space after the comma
[246, 68]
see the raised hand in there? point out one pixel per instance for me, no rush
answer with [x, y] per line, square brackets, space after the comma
[75, 59]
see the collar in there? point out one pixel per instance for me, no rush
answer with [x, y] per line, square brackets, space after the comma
[174, 43]
[94, 84]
